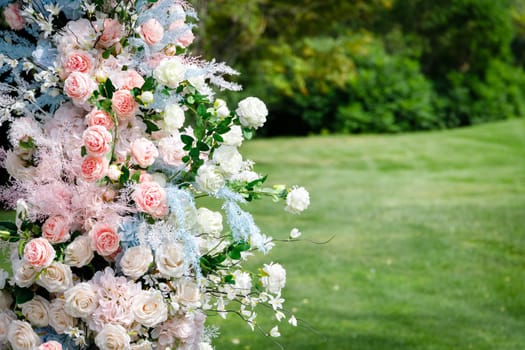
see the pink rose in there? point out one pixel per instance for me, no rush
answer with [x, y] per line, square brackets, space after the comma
[111, 33]
[132, 79]
[151, 31]
[79, 87]
[144, 152]
[150, 198]
[97, 140]
[98, 117]
[186, 37]
[56, 229]
[94, 168]
[39, 253]
[50, 345]
[104, 239]
[145, 177]
[13, 18]
[123, 104]
[155, 59]
[78, 61]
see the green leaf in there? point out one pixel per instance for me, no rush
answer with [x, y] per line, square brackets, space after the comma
[124, 177]
[27, 144]
[109, 87]
[190, 100]
[194, 153]
[135, 177]
[202, 146]
[151, 126]
[201, 110]
[186, 159]
[83, 151]
[149, 84]
[229, 279]
[218, 138]
[247, 133]
[23, 295]
[186, 139]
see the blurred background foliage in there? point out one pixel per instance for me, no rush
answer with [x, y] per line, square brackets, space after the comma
[371, 65]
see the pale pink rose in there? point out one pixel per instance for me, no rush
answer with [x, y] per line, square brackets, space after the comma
[155, 59]
[56, 229]
[78, 61]
[171, 150]
[150, 198]
[79, 87]
[13, 17]
[132, 79]
[186, 37]
[123, 104]
[39, 253]
[145, 177]
[102, 118]
[50, 345]
[94, 168]
[144, 152]
[97, 140]
[151, 31]
[111, 33]
[104, 239]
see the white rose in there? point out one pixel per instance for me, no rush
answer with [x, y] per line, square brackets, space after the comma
[5, 300]
[25, 274]
[173, 117]
[252, 112]
[297, 200]
[209, 178]
[221, 108]
[159, 178]
[275, 277]
[36, 311]
[79, 253]
[205, 346]
[16, 167]
[228, 159]
[149, 308]
[6, 317]
[209, 221]
[243, 282]
[113, 337]
[22, 212]
[233, 137]
[80, 300]
[246, 176]
[58, 318]
[170, 260]
[147, 97]
[114, 172]
[170, 72]
[21, 336]
[135, 261]
[56, 278]
[188, 292]
[207, 244]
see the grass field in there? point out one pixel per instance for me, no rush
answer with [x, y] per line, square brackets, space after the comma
[429, 246]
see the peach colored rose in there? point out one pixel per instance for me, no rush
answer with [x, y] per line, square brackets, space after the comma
[104, 239]
[79, 87]
[50, 345]
[132, 79]
[94, 168]
[78, 61]
[39, 253]
[111, 33]
[144, 152]
[56, 229]
[151, 31]
[98, 117]
[123, 104]
[150, 198]
[13, 17]
[97, 140]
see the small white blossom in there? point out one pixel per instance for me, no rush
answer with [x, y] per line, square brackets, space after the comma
[274, 332]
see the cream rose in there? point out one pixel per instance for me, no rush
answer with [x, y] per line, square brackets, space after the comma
[6, 317]
[56, 229]
[173, 117]
[233, 137]
[209, 178]
[25, 274]
[104, 239]
[221, 108]
[36, 311]
[171, 150]
[228, 159]
[21, 336]
[297, 200]
[243, 282]
[170, 72]
[149, 308]
[274, 278]
[97, 140]
[188, 292]
[170, 260]
[39, 253]
[79, 252]
[58, 318]
[124, 104]
[144, 152]
[151, 31]
[252, 112]
[150, 198]
[80, 301]
[136, 261]
[56, 278]
[79, 87]
[113, 337]
[93, 168]
[209, 221]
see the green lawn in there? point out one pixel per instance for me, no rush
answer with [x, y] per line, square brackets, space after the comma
[429, 247]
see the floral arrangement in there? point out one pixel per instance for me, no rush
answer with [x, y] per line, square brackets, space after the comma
[118, 146]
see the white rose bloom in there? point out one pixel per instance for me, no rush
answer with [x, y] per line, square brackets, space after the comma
[25, 274]
[16, 167]
[149, 308]
[57, 278]
[159, 178]
[188, 292]
[173, 117]
[5, 300]
[113, 337]
[147, 97]
[170, 260]
[252, 112]
[209, 221]
[243, 282]
[228, 159]
[246, 176]
[6, 317]
[205, 346]
[22, 212]
[79, 253]
[297, 200]
[36, 311]
[233, 137]
[221, 108]
[58, 318]
[114, 172]
[275, 277]
[209, 178]
[81, 300]
[21, 336]
[170, 72]
[136, 261]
